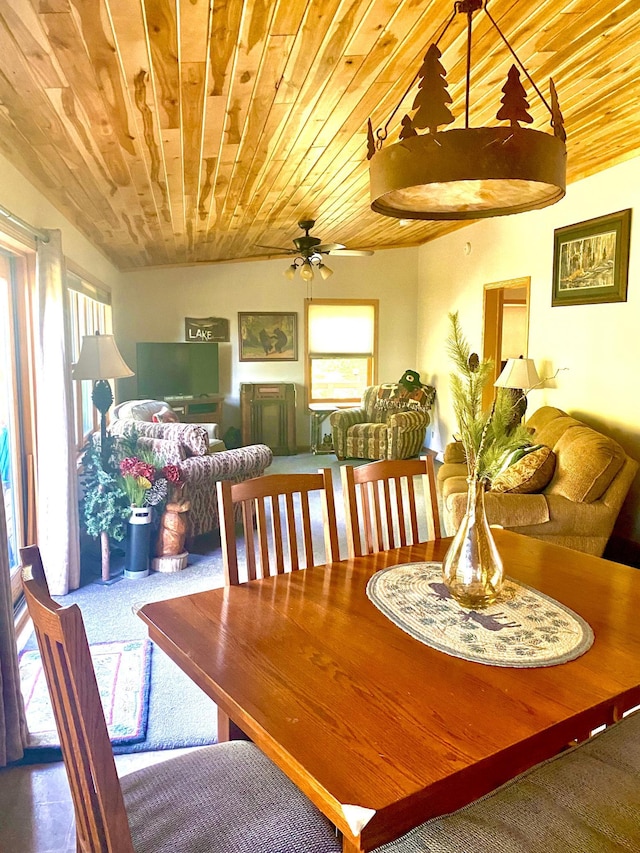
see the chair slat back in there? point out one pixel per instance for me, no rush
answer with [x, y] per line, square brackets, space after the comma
[101, 818]
[282, 522]
[381, 509]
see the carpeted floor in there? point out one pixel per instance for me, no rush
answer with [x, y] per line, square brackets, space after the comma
[179, 712]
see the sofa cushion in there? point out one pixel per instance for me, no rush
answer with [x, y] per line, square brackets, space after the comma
[454, 453]
[509, 511]
[456, 484]
[552, 431]
[587, 462]
[193, 437]
[529, 474]
[542, 416]
[167, 452]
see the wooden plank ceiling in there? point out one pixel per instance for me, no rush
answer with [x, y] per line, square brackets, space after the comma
[182, 131]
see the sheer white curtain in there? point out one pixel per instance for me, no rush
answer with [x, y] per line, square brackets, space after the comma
[57, 478]
[13, 726]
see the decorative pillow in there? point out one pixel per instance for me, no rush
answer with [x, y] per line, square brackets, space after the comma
[144, 410]
[165, 416]
[394, 397]
[529, 474]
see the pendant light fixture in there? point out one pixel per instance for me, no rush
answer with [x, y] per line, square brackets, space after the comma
[468, 172]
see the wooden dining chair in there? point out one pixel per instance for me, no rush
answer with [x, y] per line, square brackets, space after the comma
[276, 507]
[380, 504]
[227, 798]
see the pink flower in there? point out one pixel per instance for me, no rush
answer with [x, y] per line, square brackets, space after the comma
[127, 466]
[146, 470]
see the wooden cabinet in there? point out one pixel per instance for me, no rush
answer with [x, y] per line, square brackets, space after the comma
[198, 410]
[268, 412]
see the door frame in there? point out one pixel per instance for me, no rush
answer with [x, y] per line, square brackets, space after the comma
[493, 301]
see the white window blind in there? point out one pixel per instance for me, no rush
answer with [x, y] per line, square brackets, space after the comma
[335, 329]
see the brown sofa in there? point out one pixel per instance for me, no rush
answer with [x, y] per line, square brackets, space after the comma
[577, 508]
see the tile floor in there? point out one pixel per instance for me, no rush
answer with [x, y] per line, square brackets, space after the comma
[36, 814]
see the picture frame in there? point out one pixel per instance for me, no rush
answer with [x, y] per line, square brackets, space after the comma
[591, 260]
[206, 329]
[268, 336]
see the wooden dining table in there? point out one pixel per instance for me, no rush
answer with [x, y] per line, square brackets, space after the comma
[379, 730]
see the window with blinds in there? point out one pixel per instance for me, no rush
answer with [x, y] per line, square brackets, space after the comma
[341, 348]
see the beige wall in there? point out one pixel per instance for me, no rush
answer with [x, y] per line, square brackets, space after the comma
[598, 344]
[153, 304]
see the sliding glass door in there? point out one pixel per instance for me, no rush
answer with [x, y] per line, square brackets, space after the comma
[11, 473]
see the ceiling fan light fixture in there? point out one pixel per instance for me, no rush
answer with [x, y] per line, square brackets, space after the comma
[470, 172]
[324, 271]
[306, 270]
[290, 272]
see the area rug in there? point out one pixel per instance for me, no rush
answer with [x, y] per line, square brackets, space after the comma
[123, 671]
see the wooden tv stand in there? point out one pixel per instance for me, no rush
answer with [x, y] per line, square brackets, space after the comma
[198, 410]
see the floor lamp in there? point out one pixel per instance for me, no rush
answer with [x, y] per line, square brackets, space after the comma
[100, 361]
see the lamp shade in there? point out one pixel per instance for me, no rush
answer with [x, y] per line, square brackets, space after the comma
[518, 373]
[306, 271]
[100, 359]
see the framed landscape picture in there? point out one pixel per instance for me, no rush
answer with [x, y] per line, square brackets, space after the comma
[591, 260]
[268, 337]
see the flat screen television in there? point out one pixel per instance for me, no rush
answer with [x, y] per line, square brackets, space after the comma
[177, 369]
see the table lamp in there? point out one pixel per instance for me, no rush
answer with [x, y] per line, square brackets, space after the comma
[518, 374]
[100, 360]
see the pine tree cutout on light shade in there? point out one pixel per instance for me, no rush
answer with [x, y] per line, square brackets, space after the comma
[432, 97]
[407, 128]
[514, 103]
[557, 120]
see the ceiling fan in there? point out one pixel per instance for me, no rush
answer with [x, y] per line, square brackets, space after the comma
[310, 251]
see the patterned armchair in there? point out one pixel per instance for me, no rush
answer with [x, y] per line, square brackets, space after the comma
[390, 424]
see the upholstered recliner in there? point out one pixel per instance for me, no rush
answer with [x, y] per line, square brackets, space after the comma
[389, 424]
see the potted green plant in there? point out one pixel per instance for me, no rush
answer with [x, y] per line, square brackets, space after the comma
[104, 508]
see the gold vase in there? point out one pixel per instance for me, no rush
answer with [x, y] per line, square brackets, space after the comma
[472, 569]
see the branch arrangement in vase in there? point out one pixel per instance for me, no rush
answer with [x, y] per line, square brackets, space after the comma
[491, 443]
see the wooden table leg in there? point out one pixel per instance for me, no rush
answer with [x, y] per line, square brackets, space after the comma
[228, 730]
[348, 846]
[223, 727]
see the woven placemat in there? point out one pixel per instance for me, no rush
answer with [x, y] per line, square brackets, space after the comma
[525, 628]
